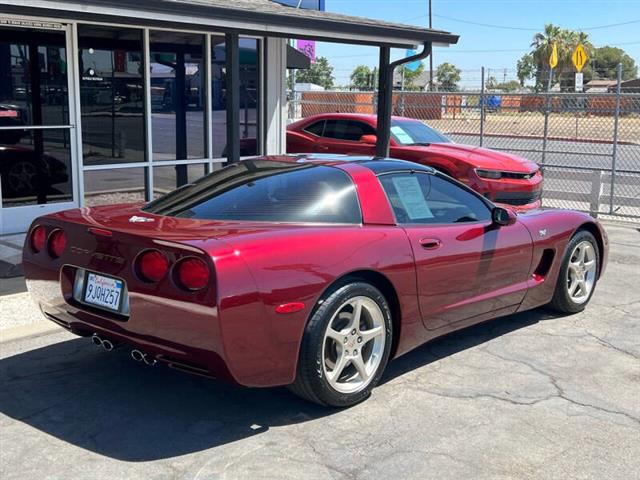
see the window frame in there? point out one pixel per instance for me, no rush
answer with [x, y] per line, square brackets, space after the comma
[486, 202]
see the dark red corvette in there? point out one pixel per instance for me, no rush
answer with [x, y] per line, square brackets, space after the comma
[304, 271]
[499, 176]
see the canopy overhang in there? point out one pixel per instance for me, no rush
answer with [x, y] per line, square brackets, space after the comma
[257, 17]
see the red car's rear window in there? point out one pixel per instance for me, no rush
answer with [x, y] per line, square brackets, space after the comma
[266, 191]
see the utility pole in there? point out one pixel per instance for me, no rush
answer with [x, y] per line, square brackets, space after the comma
[430, 56]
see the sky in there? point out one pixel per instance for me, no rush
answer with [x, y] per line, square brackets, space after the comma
[497, 49]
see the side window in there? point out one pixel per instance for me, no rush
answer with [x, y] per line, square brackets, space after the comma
[316, 128]
[347, 130]
[419, 198]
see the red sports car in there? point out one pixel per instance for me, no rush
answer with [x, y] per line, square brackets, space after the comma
[304, 271]
[499, 176]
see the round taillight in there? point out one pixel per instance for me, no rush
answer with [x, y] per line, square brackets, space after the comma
[152, 266]
[192, 274]
[57, 242]
[38, 238]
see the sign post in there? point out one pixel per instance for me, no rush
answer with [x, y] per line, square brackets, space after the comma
[553, 63]
[579, 82]
[579, 59]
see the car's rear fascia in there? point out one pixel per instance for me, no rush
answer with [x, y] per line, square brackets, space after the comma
[174, 325]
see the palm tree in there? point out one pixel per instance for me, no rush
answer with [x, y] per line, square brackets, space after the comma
[566, 41]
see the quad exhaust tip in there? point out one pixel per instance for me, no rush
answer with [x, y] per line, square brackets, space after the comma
[139, 356]
[98, 341]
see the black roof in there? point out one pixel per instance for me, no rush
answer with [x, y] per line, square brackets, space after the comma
[375, 164]
[386, 165]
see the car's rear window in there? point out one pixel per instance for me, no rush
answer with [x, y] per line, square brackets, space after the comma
[266, 191]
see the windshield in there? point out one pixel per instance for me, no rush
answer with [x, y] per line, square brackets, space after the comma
[413, 132]
[266, 191]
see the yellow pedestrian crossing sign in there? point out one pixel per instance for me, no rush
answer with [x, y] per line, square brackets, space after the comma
[553, 58]
[579, 57]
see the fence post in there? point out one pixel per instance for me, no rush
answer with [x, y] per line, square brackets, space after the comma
[596, 192]
[482, 102]
[614, 153]
[546, 117]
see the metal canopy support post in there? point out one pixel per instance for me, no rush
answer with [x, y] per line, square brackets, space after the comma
[385, 94]
[483, 112]
[233, 96]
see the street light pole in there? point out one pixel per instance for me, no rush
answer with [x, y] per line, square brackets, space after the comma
[430, 56]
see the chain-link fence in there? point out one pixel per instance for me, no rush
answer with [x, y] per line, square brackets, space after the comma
[588, 144]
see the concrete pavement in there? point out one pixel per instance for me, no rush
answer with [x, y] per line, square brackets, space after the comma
[529, 396]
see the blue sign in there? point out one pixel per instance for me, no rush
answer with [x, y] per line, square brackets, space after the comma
[413, 66]
[308, 4]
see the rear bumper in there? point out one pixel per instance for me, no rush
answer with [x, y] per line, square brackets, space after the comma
[182, 335]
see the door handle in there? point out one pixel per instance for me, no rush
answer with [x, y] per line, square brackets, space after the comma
[430, 243]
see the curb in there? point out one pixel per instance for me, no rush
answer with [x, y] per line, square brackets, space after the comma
[27, 331]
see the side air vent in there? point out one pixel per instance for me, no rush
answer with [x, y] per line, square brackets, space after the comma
[544, 265]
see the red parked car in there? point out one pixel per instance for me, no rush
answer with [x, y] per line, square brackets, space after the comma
[500, 177]
[303, 271]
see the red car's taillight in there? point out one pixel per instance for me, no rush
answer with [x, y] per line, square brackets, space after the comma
[57, 242]
[152, 266]
[192, 274]
[38, 238]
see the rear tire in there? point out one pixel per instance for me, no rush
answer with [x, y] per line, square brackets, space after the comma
[345, 347]
[578, 274]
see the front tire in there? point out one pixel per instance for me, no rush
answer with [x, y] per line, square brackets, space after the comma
[578, 274]
[345, 347]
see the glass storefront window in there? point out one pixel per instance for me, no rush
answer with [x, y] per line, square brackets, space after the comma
[166, 179]
[117, 185]
[111, 94]
[35, 166]
[249, 96]
[33, 78]
[177, 95]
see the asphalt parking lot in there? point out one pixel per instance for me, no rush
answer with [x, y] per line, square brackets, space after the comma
[533, 395]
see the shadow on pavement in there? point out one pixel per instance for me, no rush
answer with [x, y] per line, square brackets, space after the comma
[108, 404]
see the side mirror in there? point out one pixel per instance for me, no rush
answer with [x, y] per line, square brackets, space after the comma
[369, 139]
[503, 216]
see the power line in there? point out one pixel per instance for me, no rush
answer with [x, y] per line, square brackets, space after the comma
[527, 29]
[497, 50]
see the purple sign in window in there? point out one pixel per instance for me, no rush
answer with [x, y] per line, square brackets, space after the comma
[308, 47]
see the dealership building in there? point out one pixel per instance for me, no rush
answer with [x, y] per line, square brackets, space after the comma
[113, 101]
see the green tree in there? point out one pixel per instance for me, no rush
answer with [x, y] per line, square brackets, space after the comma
[510, 86]
[448, 76]
[527, 68]
[491, 83]
[362, 77]
[410, 76]
[320, 73]
[536, 63]
[606, 59]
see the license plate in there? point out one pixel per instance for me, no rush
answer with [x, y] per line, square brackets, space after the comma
[105, 292]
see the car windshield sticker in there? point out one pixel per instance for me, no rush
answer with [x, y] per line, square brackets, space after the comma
[402, 136]
[412, 198]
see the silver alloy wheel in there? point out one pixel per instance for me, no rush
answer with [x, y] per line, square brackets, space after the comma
[581, 274]
[353, 345]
